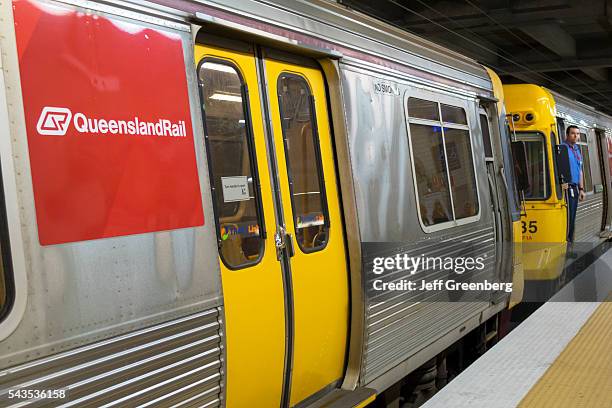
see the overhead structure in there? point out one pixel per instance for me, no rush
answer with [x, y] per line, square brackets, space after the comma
[564, 45]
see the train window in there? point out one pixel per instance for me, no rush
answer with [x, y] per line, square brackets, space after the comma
[586, 165]
[232, 164]
[304, 167]
[537, 166]
[453, 114]
[431, 176]
[443, 164]
[461, 169]
[422, 109]
[486, 136]
[588, 181]
[561, 128]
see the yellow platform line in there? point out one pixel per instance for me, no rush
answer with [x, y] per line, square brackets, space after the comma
[581, 376]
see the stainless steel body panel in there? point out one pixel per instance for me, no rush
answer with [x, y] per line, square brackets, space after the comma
[399, 328]
[82, 293]
[381, 159]
[588, 219]
[170, 363]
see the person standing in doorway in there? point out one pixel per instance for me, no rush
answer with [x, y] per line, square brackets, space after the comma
[575, 188]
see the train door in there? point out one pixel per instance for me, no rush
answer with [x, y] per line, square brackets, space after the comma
[495, 193]
[285, 291]
[485, 127]
[245, 218]
[311, 208]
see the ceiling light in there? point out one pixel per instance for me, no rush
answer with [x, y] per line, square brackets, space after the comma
[226, 97]
[218, 67]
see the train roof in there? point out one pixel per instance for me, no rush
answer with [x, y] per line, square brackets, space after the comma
[580, 113]
[354, 34]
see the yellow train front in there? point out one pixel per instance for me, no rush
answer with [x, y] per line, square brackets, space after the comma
[538, 119]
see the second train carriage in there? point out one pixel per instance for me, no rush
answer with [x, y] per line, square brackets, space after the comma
[593, 218]
[539, 119]
[305, 133]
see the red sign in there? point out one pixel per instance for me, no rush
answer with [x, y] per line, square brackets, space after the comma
[108, 125]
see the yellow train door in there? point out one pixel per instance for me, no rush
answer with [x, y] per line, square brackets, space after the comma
[245, 220]
[281, 236]
[311, 206]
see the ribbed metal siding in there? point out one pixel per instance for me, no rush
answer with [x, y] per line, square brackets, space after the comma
[588, 218]
[178, 363]
[400, 327]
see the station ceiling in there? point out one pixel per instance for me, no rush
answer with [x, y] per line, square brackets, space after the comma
[565, 45]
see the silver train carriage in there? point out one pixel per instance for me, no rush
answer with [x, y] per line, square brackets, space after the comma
[594, 215]
[122, 309]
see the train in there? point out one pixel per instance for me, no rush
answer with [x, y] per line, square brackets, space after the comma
[194, 194]
[539, 120]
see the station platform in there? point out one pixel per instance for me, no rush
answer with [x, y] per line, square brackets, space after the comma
[560, 356]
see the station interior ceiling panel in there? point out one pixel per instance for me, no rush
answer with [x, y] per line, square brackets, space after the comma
[565, 45]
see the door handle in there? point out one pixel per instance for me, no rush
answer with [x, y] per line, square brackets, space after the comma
[279, 242]
[282, 241]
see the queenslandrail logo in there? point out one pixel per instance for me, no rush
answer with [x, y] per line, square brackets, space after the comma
[55, 121]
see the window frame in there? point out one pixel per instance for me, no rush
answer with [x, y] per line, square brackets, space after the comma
[548, 174]
[252, 157]
[318, 162]
[455, 102]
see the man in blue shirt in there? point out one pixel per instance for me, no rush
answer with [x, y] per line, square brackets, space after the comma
[575, 188]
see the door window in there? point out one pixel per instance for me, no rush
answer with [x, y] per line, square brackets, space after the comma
[236, 196]
[303, 156]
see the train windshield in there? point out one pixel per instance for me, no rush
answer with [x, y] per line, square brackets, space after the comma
[537, 166]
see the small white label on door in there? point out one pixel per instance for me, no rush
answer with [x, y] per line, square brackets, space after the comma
[235, 188]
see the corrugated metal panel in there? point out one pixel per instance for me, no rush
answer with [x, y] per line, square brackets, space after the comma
[399, 327]
[588, 219]
[178, 363]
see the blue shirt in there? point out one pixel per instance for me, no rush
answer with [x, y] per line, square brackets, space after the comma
[575, 159]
